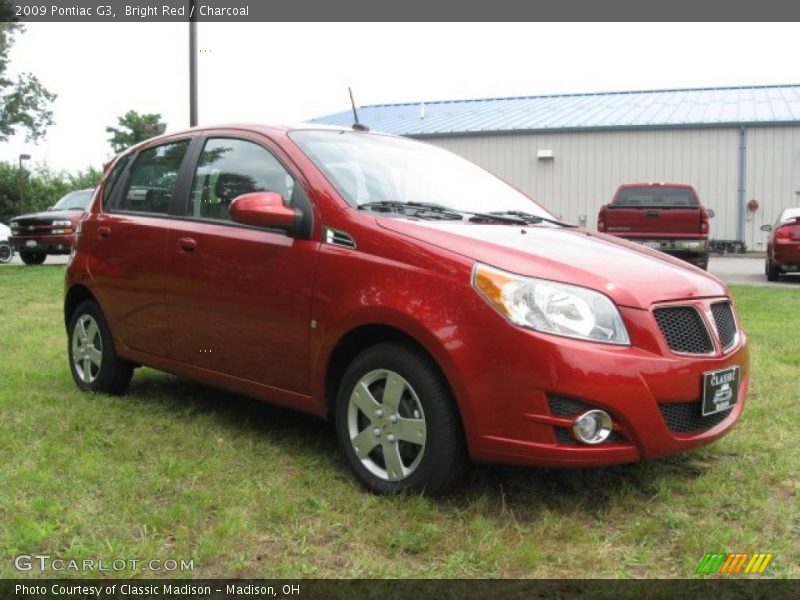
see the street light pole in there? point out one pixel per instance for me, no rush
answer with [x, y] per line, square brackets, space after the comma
[192, 65]
[22, 181]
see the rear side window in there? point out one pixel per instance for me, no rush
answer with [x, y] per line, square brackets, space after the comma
[153, 178]
[229, 168]
[114, 178]
[656, 197]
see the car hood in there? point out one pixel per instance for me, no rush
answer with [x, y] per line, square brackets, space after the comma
[630, 274]
[50, 215]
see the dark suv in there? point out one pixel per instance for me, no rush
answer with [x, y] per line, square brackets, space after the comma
[36, 235]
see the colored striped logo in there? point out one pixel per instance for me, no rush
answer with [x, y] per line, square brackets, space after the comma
[733, 563]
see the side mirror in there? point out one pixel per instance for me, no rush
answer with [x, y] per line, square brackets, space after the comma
[710, 213]
[264, 209]
[766, 228]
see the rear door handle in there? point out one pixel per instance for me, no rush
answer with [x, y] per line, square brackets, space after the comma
[103, 231]
[187, 244]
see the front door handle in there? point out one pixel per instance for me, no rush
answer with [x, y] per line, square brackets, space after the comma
[187, 244]
[103, 231]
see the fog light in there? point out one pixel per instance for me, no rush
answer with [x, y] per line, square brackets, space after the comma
[592, 427]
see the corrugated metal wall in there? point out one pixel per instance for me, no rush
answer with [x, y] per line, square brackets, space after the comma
[773, 176]
[588, 166]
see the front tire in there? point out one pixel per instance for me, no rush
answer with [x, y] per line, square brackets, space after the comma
[772, 271]
[93, 361]
[32, 258]
[6, 253]
[397, 423]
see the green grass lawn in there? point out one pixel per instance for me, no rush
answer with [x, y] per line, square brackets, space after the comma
[175, 470]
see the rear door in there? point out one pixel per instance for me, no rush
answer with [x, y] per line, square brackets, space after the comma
[239, 297]
[130, 239]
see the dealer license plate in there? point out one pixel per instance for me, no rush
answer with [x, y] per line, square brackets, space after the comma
[720, 390]
[30, 244]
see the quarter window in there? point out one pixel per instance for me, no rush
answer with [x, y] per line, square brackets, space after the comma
[153, 179]
[114, 178]
[229, 168]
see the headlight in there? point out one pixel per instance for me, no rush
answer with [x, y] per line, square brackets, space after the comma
[63, 223]
[551, 307]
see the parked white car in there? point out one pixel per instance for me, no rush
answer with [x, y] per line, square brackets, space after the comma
[5, 248]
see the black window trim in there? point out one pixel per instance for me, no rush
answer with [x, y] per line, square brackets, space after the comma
[110, 187]
[179, 204]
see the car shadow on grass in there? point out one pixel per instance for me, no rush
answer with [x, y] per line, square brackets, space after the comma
[587, 491]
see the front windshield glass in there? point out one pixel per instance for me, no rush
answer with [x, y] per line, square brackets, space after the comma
[367, 168]
[74, 200]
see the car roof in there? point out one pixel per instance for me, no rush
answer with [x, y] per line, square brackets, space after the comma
[257, 127]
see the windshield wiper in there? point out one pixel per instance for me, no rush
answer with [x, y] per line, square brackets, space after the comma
[441, 212]
[512, 217]
[399, 204]
[532, 219]
[497, 217]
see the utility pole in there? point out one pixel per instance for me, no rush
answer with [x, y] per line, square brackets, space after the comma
[22, 182]
[192, 65]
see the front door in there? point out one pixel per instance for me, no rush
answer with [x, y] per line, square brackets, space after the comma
[238, 297]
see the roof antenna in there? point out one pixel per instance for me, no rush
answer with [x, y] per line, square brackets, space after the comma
[356, 126]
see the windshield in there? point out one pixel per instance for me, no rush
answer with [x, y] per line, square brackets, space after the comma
[368, 168]
[656, 196]
[74, 200]
[790, 214]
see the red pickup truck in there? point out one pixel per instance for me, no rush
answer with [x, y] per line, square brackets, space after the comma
[665, 216]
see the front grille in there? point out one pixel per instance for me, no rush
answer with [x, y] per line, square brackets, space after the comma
[687, 417]
[684, 330]
[726, 324]
[564, 436]
[32, 226]
[566, 407]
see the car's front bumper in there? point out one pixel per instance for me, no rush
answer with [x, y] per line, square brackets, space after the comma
[512, 387]
[49, 244]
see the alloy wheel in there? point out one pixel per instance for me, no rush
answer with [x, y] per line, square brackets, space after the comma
[386, 425]
[87, 348]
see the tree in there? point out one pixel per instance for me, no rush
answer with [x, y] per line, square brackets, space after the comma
[134, 128]
[24, 102]
[43, 187]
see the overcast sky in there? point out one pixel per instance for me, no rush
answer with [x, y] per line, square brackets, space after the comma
[286, 72]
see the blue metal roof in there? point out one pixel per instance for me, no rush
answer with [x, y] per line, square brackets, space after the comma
[639, 109]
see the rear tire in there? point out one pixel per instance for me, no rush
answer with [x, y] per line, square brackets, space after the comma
[32, 258]
[397, 422]
[93, 361]
[6, 253]
[772, 271]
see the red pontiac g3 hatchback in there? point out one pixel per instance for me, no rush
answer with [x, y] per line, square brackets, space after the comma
[431, 311]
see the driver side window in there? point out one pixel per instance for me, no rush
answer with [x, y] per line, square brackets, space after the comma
[229, 168]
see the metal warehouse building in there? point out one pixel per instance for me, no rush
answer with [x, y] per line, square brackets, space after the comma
[570, 151]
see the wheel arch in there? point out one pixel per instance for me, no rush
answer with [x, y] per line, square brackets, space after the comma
[358, 339]
[76, 294]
